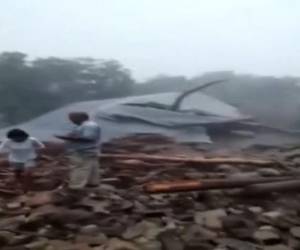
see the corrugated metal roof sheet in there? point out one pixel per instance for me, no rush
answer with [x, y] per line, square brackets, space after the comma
[118, 119]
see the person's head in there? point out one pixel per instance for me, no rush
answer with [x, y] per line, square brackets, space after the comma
[78, 117]
[17, 135]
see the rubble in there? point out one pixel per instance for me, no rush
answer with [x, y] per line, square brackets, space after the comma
[119, 214]
[90, 229]
[266, 188]
[267, 236]
[255, 210]
[211, 219]
[188, 160]
[268, 172]
[277, 247]
[295, 232]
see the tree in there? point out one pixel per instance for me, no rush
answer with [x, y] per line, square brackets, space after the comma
[16, 86]
[30, 88]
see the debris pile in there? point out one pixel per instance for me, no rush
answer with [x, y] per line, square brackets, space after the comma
[228, 201]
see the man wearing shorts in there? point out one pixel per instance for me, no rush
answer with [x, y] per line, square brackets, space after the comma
[22, 152]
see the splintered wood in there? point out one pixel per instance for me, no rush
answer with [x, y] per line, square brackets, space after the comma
[192, 160]
[201, 185]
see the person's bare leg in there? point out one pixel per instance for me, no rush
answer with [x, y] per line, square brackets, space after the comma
[19, 178]
[94, 176]
[27, 180]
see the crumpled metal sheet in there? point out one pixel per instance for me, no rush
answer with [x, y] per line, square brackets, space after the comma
[118, 119]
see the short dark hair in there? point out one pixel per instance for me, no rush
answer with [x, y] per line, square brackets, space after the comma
[84, 115]
[17, 133]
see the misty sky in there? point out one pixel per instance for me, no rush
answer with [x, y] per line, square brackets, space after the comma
[150, 37]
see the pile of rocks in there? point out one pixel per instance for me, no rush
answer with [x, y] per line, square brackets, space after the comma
[119, 215]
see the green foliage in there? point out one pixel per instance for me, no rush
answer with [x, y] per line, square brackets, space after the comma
[30, 88]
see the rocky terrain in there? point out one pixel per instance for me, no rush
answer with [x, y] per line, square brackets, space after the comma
[122, 214]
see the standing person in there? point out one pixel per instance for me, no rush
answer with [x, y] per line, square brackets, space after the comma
[83, 147]
[22, 153]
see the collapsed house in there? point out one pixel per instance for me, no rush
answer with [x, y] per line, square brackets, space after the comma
[141, 114]
[156, 194]
[190, 117]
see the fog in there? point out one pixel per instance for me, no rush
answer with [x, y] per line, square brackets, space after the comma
[167, 45]
[151, 36]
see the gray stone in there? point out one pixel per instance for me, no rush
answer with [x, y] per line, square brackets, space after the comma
[194, 175]
[277, 247]
[14, 205]
[99, 248]
[139, 206]
[146, 244]
[212, 219]
[197, 231]
[235, 211]
[12, 223]
[245, 175]
[144, 228]
[40, 244]
[198, 245]
[293, 243]
[170, 223]
[234, 244]
[160, 197]
[151, 245]
[72, 227]
[22, 239]
[42, 214]
[234, 221]
[134, 231]
[99, 207]
[267, 228]
[273, 215]
[255, 210]
[59, 244]
[171, 241]
[117, 244]
[89, 230]
[220, 247]
[268, 172]
[6, 237]
[265, 235]
[96, 240]
[45, 231]
[226, 168]
[73, 216]
[295, 231]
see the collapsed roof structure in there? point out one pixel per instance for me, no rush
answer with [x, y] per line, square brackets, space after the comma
[143, 114]
[188, 117]
[232, 200]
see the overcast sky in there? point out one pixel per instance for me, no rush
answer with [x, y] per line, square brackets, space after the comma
[150, 37]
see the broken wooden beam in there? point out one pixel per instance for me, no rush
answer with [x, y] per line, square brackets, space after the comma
[201, 185]
[194, 160]
[5, 192]
[278, 186]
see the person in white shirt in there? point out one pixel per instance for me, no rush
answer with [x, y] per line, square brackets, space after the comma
[22, 152]
[83, 148]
